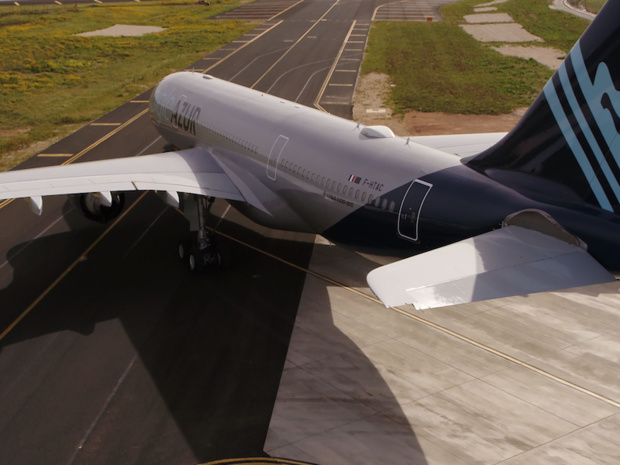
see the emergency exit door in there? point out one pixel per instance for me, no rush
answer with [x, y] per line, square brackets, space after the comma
[410, 208]
[274, 156]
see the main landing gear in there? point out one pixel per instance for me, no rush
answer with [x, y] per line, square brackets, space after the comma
[202, 250]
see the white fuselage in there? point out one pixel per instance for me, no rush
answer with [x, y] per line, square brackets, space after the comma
[305, 169]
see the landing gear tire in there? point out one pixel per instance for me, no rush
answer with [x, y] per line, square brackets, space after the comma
[202, 250]
[223, 257]
[213, 257]
[184, 249]
[197, 261]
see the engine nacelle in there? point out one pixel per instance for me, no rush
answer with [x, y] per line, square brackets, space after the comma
[101, 207]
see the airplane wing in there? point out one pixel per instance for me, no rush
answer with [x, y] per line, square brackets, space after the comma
[509, 261]
[193, 171]
[463, 145]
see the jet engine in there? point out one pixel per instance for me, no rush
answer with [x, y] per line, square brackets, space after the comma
[102, 206]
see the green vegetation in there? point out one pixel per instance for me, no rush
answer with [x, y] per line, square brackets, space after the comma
[439, 67]
[52, 81]
[558, 29]
[593, 6]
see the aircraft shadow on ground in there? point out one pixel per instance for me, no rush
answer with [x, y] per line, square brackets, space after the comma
[211, 348]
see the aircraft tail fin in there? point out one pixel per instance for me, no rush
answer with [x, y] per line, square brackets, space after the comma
[568, 142]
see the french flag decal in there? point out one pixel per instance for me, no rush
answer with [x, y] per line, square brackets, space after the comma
[355, 179]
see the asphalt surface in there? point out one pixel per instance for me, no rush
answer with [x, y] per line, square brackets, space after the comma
[111, 351]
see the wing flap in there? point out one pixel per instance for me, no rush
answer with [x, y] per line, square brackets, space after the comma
[506, 262]
[194, 171]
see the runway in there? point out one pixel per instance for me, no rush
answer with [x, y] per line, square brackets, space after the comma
[112, 352]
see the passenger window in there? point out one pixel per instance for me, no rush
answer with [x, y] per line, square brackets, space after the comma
[357, 194]
[392, 205]
[339, 187]
[384, 204]
[363, 196]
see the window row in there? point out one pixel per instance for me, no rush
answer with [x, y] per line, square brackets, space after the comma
[235, 139]
[338, 187]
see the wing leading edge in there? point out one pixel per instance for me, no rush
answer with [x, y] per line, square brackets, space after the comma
[193, 171]
[501, 263]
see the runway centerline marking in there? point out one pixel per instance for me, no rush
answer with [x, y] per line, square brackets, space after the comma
[293, 46]
[29, 309]
[331, 71]
[106, 137]
[240, 48]
[77, 261]
[103, 409]
[6, 202]
[28, 243]
[54, 155]
[285, 10]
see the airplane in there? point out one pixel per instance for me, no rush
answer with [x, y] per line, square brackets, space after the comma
[480, 216]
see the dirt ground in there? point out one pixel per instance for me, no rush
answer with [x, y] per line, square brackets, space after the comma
[369, 105]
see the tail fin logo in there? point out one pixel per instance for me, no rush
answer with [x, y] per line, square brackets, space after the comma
[607, 105]
[587, 113]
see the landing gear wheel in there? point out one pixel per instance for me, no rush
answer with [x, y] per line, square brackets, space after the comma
[210, 258]
[184, 249]
[196, 261]
[202, 250]
[223, 257]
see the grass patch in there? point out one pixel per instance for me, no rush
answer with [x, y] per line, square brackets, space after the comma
[52, 81]
[558, 29]
[439, 67]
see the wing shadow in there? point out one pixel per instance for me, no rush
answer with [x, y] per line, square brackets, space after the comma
[134, 359]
